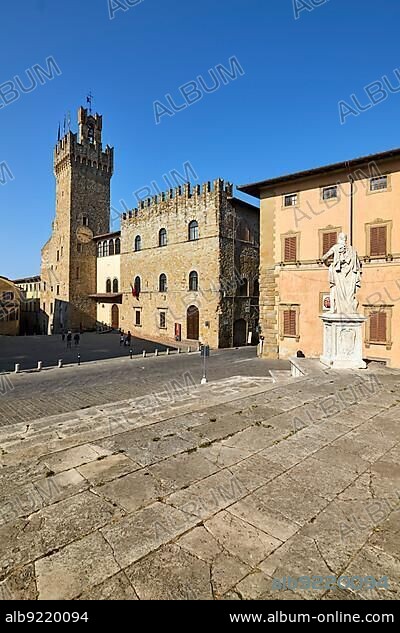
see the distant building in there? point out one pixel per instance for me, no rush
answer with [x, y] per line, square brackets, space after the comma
[301, 217]
[190, 267]
[185, 265]
[10, 308]
[32, 320]
[83, 173]
[108, 282]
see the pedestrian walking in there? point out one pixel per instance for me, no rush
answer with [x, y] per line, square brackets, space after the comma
[121, 339]
[77, 339]
[69, 339]
[63, 336]
[129, 338]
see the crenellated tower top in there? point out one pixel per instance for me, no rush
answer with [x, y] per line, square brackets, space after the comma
[85, 148]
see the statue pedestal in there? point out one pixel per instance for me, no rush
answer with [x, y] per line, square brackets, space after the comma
[343, 341]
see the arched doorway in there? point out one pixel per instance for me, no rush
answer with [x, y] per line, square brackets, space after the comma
[193, 320]
[115, 317]
[239, 333]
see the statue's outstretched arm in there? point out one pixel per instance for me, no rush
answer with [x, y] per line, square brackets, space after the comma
[328, 254]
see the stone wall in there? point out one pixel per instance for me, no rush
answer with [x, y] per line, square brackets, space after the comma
[83, 173]
[216, 257]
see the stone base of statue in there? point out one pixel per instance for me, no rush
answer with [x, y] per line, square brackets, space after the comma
[343, 341]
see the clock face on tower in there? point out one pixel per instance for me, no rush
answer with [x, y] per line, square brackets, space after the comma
[84, 234]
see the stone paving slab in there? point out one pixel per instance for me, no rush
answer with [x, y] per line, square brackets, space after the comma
[213, 494]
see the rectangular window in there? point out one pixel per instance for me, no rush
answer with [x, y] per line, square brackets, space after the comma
[289, 323]
[58, 256]
[329, 239]
[329, 192]
[290, 254]
[378, 327]
[44, 306]
[85, 221]
[163, 320]
[138, 317]
[290, 200]
[378, 240]
[58, 290]
[378, 183]
[51, 308]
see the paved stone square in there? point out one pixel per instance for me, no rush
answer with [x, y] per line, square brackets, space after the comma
[208, 492]
[28, 350]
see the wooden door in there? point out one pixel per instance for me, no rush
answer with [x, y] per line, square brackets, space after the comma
[193, 320]
[115, 317]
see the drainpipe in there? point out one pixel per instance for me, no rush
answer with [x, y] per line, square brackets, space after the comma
[351, 219]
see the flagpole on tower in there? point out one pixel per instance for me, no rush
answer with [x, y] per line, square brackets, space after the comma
[89, 100]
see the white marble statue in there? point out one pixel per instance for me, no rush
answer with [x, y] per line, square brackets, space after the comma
[344, 276]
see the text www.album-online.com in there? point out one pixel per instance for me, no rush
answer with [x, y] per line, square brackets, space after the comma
[297, 618]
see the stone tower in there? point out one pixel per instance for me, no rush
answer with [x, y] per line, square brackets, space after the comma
[83, 174]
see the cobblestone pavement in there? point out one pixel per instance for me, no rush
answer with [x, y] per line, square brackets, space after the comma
[28, 350]
[207, 492]
[28, 396]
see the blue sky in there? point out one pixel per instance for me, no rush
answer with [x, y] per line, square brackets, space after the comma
[281, 115]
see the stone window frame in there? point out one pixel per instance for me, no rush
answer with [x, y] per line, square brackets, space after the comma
[138, 311]
[193, 277]
[295, 234]
[163, 283]
[322, 232]
[162, 237]
[162, 311]
[325, 187]
[283, 307]
[291, 194]
[376, 223]
[388, 309]
[137, 244]
[371, 192]
[193, 231]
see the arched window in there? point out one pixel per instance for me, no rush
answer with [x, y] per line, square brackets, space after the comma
[162, 237]
[99, 249]
[115, 286]
[162, 286]
[138, 243]
[193, 281]
[105, 249]
[137, 287]
[256, 291]
[117, 246]
[108, 285]
[193, 231]
[111, 247]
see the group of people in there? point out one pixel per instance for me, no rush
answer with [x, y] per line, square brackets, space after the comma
[68, 336]
[125, 339]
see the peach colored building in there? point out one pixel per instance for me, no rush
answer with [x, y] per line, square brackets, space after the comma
[301, 216]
